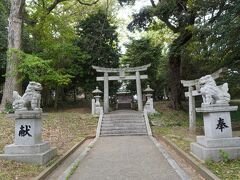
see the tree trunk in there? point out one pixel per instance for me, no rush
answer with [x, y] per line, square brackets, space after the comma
[175, 84]
[56, 98]
[175, 67]
[74, 95]
[47, 99]
[14, 41]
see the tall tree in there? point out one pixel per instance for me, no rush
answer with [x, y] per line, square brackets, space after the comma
[16, 17]
[217, 45]
[14, 42]
[179, 16]
[135, 56]
[98, 43]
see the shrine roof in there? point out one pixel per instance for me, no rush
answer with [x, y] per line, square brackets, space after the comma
[123, 92]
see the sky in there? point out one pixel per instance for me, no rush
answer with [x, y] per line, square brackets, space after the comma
[124, 15]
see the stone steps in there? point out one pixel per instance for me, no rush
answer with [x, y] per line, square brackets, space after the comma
[123, 132]
[128, 134]
[122, 128]
[112, 125]
[123, 124]
[127, 121]
[123, 117]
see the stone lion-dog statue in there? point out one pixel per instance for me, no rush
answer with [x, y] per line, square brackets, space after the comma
[211, 93]
[30, 100]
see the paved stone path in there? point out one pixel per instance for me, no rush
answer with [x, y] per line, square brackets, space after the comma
[125, 158]
[56, 174]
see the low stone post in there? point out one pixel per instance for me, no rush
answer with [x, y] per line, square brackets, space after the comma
[165, 97]
[93, 106]
[192, 111]
[28, 145]
[149, 103]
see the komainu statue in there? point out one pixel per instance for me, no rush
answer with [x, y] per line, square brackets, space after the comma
[211, 93]
[31, 98]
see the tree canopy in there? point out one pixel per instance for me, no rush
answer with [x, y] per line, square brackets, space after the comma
[62, 39]
[98, 45]
[196, 24]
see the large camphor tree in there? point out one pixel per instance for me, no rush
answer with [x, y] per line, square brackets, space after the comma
[181, 17]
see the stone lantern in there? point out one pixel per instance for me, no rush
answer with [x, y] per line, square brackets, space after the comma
[96, 106]
[149, 103]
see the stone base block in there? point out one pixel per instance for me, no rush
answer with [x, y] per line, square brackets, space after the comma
[149, 110]
[213, 153]
[41, 158]
[27, 149]
[218, 143]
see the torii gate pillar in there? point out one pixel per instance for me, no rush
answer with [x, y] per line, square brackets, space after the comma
[106, 93]
[139, 91]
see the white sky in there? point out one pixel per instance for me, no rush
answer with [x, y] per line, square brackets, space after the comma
[124, 15]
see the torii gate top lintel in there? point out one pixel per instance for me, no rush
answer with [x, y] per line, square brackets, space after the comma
[215, 75]
[125, 69]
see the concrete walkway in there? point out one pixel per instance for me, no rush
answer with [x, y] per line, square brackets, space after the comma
[125, 158]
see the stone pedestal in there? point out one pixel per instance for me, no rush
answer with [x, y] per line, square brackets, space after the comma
[28, 145]
[218, 134]
[149, 104]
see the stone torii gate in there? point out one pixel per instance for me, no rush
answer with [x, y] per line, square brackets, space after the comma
[193, 90]
[121, 76]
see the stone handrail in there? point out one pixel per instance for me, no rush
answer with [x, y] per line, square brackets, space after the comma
[149, 131]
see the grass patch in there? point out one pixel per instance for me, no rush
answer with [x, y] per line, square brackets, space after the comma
[174, 126]
[74, 168]
[62, 129]
[225, 170]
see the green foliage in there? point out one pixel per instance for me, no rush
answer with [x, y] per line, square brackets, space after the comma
[215, 45]
[73, 169]
[8, 108]
[206, 39]
[33, 68]
[98, 43]
[225, 170]
[235, 115]
[224, 155]
[3, 29]
[135, 56]
[3, 37]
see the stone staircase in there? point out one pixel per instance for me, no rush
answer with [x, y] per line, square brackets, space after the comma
[123, 123]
